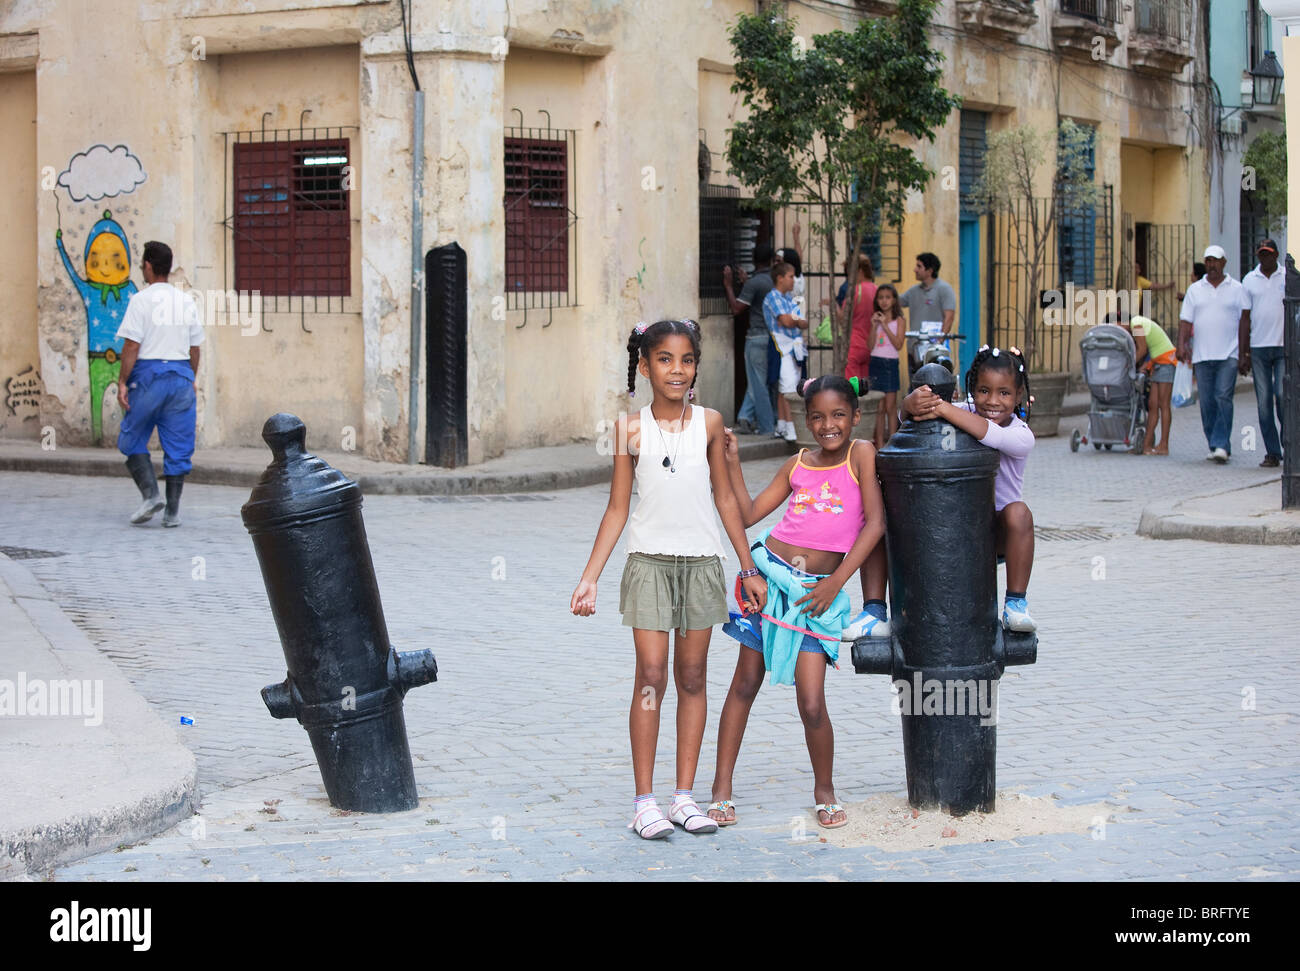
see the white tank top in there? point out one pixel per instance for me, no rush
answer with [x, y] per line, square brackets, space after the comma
[674, 514]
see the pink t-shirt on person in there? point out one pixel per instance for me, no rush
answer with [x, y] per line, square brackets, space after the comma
[884, 348]
[1014, 441]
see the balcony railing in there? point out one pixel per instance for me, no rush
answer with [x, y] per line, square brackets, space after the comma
[1102, 11]
[1169, 18]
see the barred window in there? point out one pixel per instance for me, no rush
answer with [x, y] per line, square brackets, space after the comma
[538, 216]
[292, 232]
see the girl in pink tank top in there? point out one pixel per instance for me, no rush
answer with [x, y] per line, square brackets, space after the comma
[833, 518]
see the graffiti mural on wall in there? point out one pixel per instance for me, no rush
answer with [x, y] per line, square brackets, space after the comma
[23, 394]
[104, 281]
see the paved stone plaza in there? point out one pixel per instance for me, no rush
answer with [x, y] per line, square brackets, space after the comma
[1165, 688]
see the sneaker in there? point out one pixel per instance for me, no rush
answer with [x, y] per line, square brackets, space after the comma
[866, 624]
[744, 628]
[1015, 616]
[1270, 462]
[779, 431]
[743, 427]
[1220, 455]
[790, 433]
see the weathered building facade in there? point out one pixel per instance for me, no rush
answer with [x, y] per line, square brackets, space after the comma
[573, 149]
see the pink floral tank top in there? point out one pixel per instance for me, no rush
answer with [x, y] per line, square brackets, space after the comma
[825, 510]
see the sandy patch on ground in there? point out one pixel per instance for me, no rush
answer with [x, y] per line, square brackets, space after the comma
[889, 823]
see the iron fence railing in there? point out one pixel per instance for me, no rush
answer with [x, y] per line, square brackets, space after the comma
[731, 227]
[1102, 11]
[1168, 18]
[1165, 252]
[1078, 255]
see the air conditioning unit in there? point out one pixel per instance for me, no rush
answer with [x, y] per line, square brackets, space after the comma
[1233, 125]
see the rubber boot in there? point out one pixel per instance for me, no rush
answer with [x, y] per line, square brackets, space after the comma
[172, 517]
[141, 468]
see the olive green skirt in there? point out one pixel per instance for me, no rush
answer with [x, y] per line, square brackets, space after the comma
[672, 592]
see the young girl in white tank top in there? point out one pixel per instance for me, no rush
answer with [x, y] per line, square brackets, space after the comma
[673, 579]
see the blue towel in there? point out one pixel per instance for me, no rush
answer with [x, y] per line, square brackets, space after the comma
[784, 588]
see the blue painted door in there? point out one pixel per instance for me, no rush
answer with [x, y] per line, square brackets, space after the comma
[970, 302]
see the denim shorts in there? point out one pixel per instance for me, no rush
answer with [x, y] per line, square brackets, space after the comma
[882, 372]
[1162, 374]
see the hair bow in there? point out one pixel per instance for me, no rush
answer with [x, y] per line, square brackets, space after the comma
[640, 328]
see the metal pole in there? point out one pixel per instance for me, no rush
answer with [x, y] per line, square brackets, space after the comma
[1291, 392]
[417, 271]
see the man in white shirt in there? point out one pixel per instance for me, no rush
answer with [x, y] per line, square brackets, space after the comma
[1213, 305]
[161, 335]
[1261, 333]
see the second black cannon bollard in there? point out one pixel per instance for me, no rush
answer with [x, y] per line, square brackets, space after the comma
[345, 683]
[948, 648]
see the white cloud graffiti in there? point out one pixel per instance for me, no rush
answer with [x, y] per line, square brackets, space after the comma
[101, 172]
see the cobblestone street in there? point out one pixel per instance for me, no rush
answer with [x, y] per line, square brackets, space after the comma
[1164, 687]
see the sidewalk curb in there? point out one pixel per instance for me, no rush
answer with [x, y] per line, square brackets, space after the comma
[1162, 520]
[141, 803]
[413, 483]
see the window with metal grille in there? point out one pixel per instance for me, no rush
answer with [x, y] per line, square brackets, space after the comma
[292, 232]
[719, 210]
[539, 217]
[1169, 18]
[1251, 228]
[1076, 233]
[972, 141]
[1102, 11]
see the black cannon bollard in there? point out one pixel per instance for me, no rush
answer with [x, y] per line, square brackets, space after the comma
[345, 684]
[948, 648]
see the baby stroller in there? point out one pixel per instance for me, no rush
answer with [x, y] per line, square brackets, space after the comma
[1118, 412]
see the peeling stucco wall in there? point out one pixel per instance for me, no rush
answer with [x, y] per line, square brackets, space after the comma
[600, 67]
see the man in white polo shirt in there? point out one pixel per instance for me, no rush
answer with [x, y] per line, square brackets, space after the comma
[160, 356]
[1261, 332]
[1213, 305]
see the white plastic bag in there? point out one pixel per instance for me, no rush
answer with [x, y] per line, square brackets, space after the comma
[1182, 393]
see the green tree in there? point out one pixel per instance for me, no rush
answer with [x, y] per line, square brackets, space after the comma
[1263, 173]
[1012, 159]
[832, 122]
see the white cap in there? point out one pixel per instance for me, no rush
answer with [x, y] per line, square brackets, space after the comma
[1216, 252]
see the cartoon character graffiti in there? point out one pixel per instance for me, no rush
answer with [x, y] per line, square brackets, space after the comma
[106, 288]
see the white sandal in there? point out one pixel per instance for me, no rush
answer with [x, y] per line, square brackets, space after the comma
[687, 815]
[650, 822]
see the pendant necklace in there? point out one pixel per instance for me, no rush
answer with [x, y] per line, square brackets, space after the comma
[670, 463]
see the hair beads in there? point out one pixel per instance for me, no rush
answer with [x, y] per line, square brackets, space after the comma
[1013, 363]
[646, 337]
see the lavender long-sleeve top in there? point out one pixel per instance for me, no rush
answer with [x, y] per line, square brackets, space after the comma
[1014, 442]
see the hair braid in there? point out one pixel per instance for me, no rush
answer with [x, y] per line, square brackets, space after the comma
[645, 338]
[633, 356]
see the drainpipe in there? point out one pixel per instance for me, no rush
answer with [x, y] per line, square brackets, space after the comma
[417, 270]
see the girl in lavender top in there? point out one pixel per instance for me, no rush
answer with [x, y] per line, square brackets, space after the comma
[997, 388]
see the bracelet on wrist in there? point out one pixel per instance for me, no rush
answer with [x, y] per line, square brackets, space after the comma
[746, 574]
